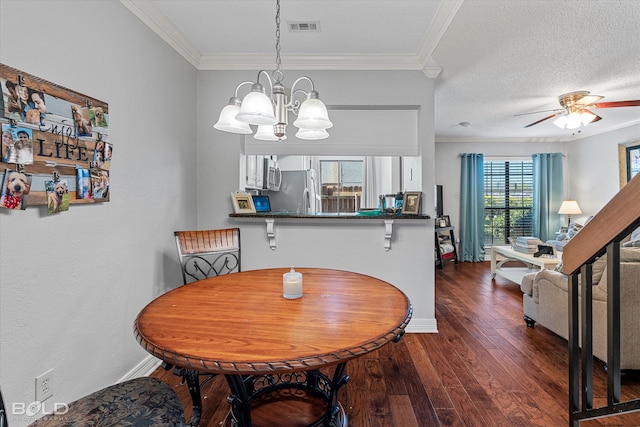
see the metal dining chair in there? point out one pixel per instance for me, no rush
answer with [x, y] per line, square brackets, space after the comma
[141, 401]
[203, 254]
[208, 253]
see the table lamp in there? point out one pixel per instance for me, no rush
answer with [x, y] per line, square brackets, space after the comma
[568, 208]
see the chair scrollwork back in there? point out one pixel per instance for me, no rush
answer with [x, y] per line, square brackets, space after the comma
[208, 253]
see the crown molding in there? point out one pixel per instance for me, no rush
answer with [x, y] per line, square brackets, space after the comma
[156, 21]
[310, 62]
[432, 72]
[441, 21]
[159, 24]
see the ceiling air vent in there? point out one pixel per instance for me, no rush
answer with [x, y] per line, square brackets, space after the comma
[304, 26]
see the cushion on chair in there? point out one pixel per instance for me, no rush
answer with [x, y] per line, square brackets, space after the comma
[139, 402]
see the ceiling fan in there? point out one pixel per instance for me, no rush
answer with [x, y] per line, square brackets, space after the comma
[576, 109]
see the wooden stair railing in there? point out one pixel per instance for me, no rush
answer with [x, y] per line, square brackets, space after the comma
[602, 235]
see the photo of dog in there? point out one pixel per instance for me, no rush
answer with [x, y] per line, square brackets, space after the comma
[82, 123]
[57, 196]
[15, 187]
[98, 117]
[99, 184]
[32, 116]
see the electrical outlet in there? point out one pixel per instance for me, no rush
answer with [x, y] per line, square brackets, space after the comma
[44, 386]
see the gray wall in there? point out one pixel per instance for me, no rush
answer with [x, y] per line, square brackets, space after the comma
[409, 264]
[595, 171]
[591, 164]
[71, 284]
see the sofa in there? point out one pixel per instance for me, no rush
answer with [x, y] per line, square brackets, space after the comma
[545, 300]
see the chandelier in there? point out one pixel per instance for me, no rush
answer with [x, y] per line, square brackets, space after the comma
[269, 113]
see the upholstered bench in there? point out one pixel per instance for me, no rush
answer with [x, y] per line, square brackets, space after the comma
[145, 401]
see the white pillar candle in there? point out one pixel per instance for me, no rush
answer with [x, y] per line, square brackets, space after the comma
[292, 284]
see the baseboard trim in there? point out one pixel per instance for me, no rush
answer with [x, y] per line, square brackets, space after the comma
[429, 326]
[142, 369]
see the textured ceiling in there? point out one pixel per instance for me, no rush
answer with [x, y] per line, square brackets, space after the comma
[493, 59]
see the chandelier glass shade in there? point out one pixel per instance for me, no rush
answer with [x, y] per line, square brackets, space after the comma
[228, 122]
[267, 133]
[270, 112]
[256, 108]
[313, 114]
[311, 134]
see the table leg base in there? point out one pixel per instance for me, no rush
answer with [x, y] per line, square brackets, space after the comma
[339, 420]
[287, 393]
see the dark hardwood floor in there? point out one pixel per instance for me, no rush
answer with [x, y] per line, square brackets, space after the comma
[483, 368]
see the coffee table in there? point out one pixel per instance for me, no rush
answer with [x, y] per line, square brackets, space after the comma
[515, 274]
[240, 326]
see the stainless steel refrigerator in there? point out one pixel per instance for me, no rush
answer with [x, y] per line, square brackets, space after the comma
[298, 193]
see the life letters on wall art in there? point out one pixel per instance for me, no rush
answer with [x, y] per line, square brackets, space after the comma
[55, 147]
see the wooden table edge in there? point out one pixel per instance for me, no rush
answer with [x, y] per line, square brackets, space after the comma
[253, 368]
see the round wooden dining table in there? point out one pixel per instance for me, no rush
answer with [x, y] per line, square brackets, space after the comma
[240, 325]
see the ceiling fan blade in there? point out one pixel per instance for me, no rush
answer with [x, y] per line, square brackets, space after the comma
[597, 118]
[536, 112]
[542, 120]
[614, 104]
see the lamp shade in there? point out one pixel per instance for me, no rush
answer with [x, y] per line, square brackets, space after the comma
[312, 134]
[227, 121]
[265, 133]
[257, 108]
[569, 207]
[313, 115]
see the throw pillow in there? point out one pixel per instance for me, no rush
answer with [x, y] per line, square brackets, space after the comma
[574, 228]
[634, 240]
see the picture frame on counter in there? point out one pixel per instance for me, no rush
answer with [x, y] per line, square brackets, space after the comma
[443, 221]
[242, 203]
[411, 203]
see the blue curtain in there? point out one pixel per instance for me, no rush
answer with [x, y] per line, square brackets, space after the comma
[547, 194]
[472, 208]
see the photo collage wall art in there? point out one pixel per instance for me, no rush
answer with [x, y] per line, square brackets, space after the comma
[55, 148]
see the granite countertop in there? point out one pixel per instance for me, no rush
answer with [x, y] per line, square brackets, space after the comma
[329, 215]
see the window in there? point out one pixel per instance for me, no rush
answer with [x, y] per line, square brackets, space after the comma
[341, 183]
[508, 201]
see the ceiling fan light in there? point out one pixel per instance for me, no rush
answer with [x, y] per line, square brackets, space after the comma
[227, 121]
[313, 114]
[257, 108]
[561, 122]
[266, 133]
[574, 121]
[312, 134]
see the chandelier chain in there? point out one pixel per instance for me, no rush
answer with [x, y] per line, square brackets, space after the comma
[278, 61]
